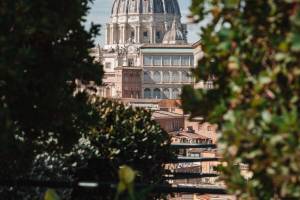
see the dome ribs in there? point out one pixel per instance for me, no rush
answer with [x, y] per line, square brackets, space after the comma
[121, 7]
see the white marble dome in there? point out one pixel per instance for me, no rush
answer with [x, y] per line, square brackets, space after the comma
[123, 7]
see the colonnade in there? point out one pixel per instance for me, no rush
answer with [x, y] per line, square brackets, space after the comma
[120, 34]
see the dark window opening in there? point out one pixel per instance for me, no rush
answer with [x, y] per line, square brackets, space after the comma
[158, 35]
[130, 62]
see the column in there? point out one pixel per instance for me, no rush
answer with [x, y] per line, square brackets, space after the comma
[154, 34]
[120, 34]
[180, 76]
[107, 34]
[161, 76]
[138, 34]
[135, 35]
[151, 74]
[124, 34]
[111, 33]
[151, 34]
[166, 26]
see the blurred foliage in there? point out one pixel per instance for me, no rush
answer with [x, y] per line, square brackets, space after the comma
[252, 51]
[44, 47]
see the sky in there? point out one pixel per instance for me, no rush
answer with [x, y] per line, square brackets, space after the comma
[100, 13]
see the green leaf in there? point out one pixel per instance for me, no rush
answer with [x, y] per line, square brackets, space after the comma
[266, 116]
[51, 195]
[126, 174]
[121, 187]
[296, 42]
[280, 56]
[264, 80]
[231, 3]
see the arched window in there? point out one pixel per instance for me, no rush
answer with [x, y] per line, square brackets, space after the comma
[166, 77]
[158, 36]
[175, 77]
[157, 77]
[156, 93]
[185, 77]
[166, 93]
[147, 93]
[131, 34]
[147, 77]
[146, 36]
[175, 93]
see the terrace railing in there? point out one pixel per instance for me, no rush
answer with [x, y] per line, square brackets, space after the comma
[94, 186]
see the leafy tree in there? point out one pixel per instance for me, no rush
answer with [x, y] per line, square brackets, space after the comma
[130, 136]
[252, 48]
[123, 136]
[44, 48]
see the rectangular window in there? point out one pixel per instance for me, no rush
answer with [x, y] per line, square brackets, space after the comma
[147, 60]
[195, 155]
[185, 60]
[157, 60]
[209, 128]
[107, 65]
[145, 34]
[192, 60]
[132, 34]
[176, 60]
[166, 60]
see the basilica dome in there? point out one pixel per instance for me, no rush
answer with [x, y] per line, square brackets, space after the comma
[123, 7]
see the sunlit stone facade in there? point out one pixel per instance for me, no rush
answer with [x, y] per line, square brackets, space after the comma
[146, 54]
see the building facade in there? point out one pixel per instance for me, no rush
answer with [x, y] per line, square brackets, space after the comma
[166, 69]
[146, 54]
